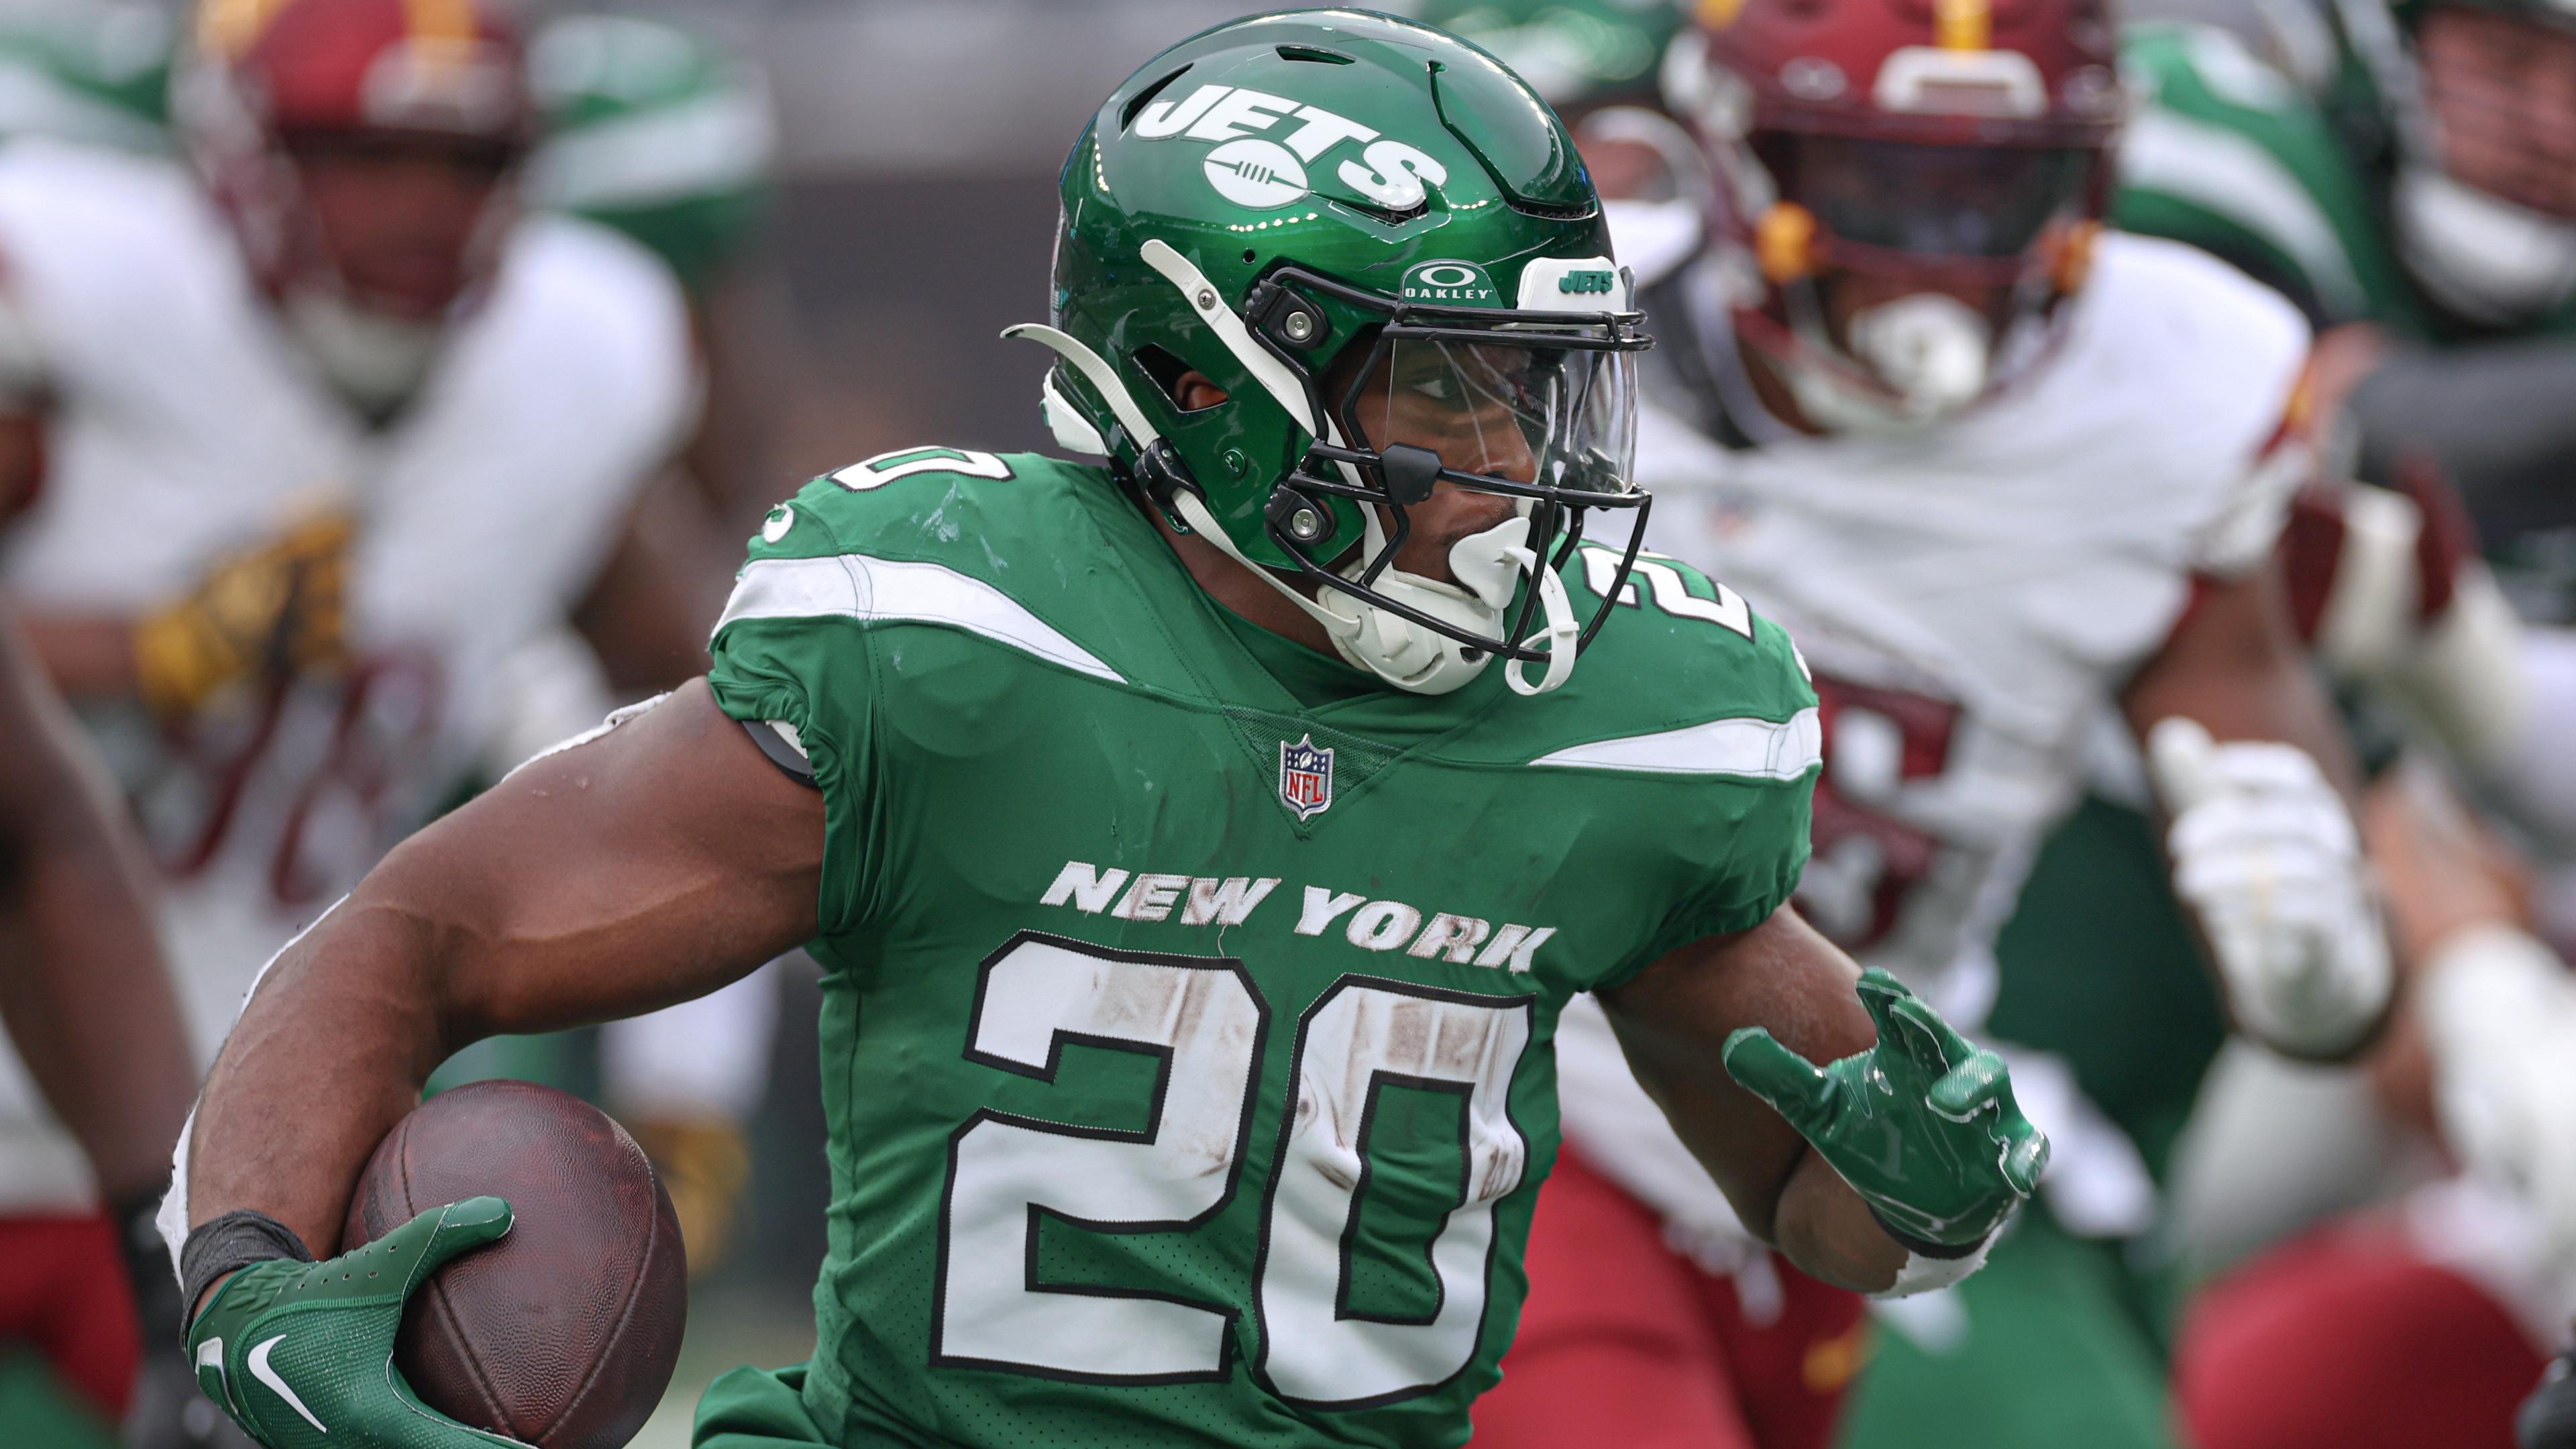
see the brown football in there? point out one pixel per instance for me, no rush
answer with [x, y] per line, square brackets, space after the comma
[564, 1333]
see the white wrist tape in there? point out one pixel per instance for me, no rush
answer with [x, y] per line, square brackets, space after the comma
[2499, 1012]
[1923, 1275]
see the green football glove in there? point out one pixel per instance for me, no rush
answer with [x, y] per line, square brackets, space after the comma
[1922, 1125]
[301, 1354]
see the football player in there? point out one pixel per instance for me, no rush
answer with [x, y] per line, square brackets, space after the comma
[1201, 844]
[2011, 476]
[85, 996]
[312, 434]
[2406, 172]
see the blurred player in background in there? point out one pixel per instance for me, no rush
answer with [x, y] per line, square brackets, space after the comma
[88, 1003]
[2408, 178]
[1579, 55]
[306, 440]
[644, 129]
[2010, 474]
[2407, 175]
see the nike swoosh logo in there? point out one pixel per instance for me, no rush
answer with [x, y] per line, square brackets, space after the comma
[260, 1370]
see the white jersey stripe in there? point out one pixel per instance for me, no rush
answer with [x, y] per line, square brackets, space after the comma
[1756, 749]
[854, 586]
[2219, 169]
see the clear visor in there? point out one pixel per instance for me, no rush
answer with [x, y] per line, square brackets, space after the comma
[1517, 412]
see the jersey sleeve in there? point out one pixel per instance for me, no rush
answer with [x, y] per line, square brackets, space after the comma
[789, 651]
[1734, 821]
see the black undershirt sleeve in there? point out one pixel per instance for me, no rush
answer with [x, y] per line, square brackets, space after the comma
[782, 754]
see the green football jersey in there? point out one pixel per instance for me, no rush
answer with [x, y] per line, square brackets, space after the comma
[652, 131]
[1188, 997]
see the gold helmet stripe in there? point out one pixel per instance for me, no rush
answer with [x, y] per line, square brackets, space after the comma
[227, 28]
[1963, 24]
[442, 22]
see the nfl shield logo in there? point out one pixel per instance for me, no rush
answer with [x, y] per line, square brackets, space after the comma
[1305, 777]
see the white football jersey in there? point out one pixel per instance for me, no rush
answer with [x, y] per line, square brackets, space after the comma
[1972, 598]
[187, 425]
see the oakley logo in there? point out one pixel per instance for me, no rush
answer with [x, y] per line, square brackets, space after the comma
[1385, 173]
[1451, 284]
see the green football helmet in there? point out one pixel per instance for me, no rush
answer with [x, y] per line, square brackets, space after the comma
[654, 132]
[1577, 53]
[2479, 256]
[1351, 223]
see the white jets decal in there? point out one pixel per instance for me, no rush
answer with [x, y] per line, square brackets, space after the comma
[1268, 173]
[260, 1370]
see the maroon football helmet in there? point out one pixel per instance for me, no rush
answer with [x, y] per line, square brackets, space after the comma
[281, 97]
[1905, 189]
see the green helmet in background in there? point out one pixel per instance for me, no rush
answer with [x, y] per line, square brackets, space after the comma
[1341, 218]
[2410, 13]
[1576, 53]
[96, 71]
[2477, 255]
[653, 132]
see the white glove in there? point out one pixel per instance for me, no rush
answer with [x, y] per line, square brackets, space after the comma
[2266, 855]
[2499, 1013]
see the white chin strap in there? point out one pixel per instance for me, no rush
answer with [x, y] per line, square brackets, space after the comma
[2486, 259]
[1408, 655]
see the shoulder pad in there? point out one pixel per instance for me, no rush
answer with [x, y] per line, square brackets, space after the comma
[924, 502]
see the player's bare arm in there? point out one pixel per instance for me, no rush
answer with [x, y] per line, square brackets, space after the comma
[2235, 666]
[1673, 1021]
[649, 608]
[22, 455]
[84, 993]
[2254, 770]
[1687, 1024]
[652, 864]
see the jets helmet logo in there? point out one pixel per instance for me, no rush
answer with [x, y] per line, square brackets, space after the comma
[1255, 173]
[1265, 143]
[1305, 777]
